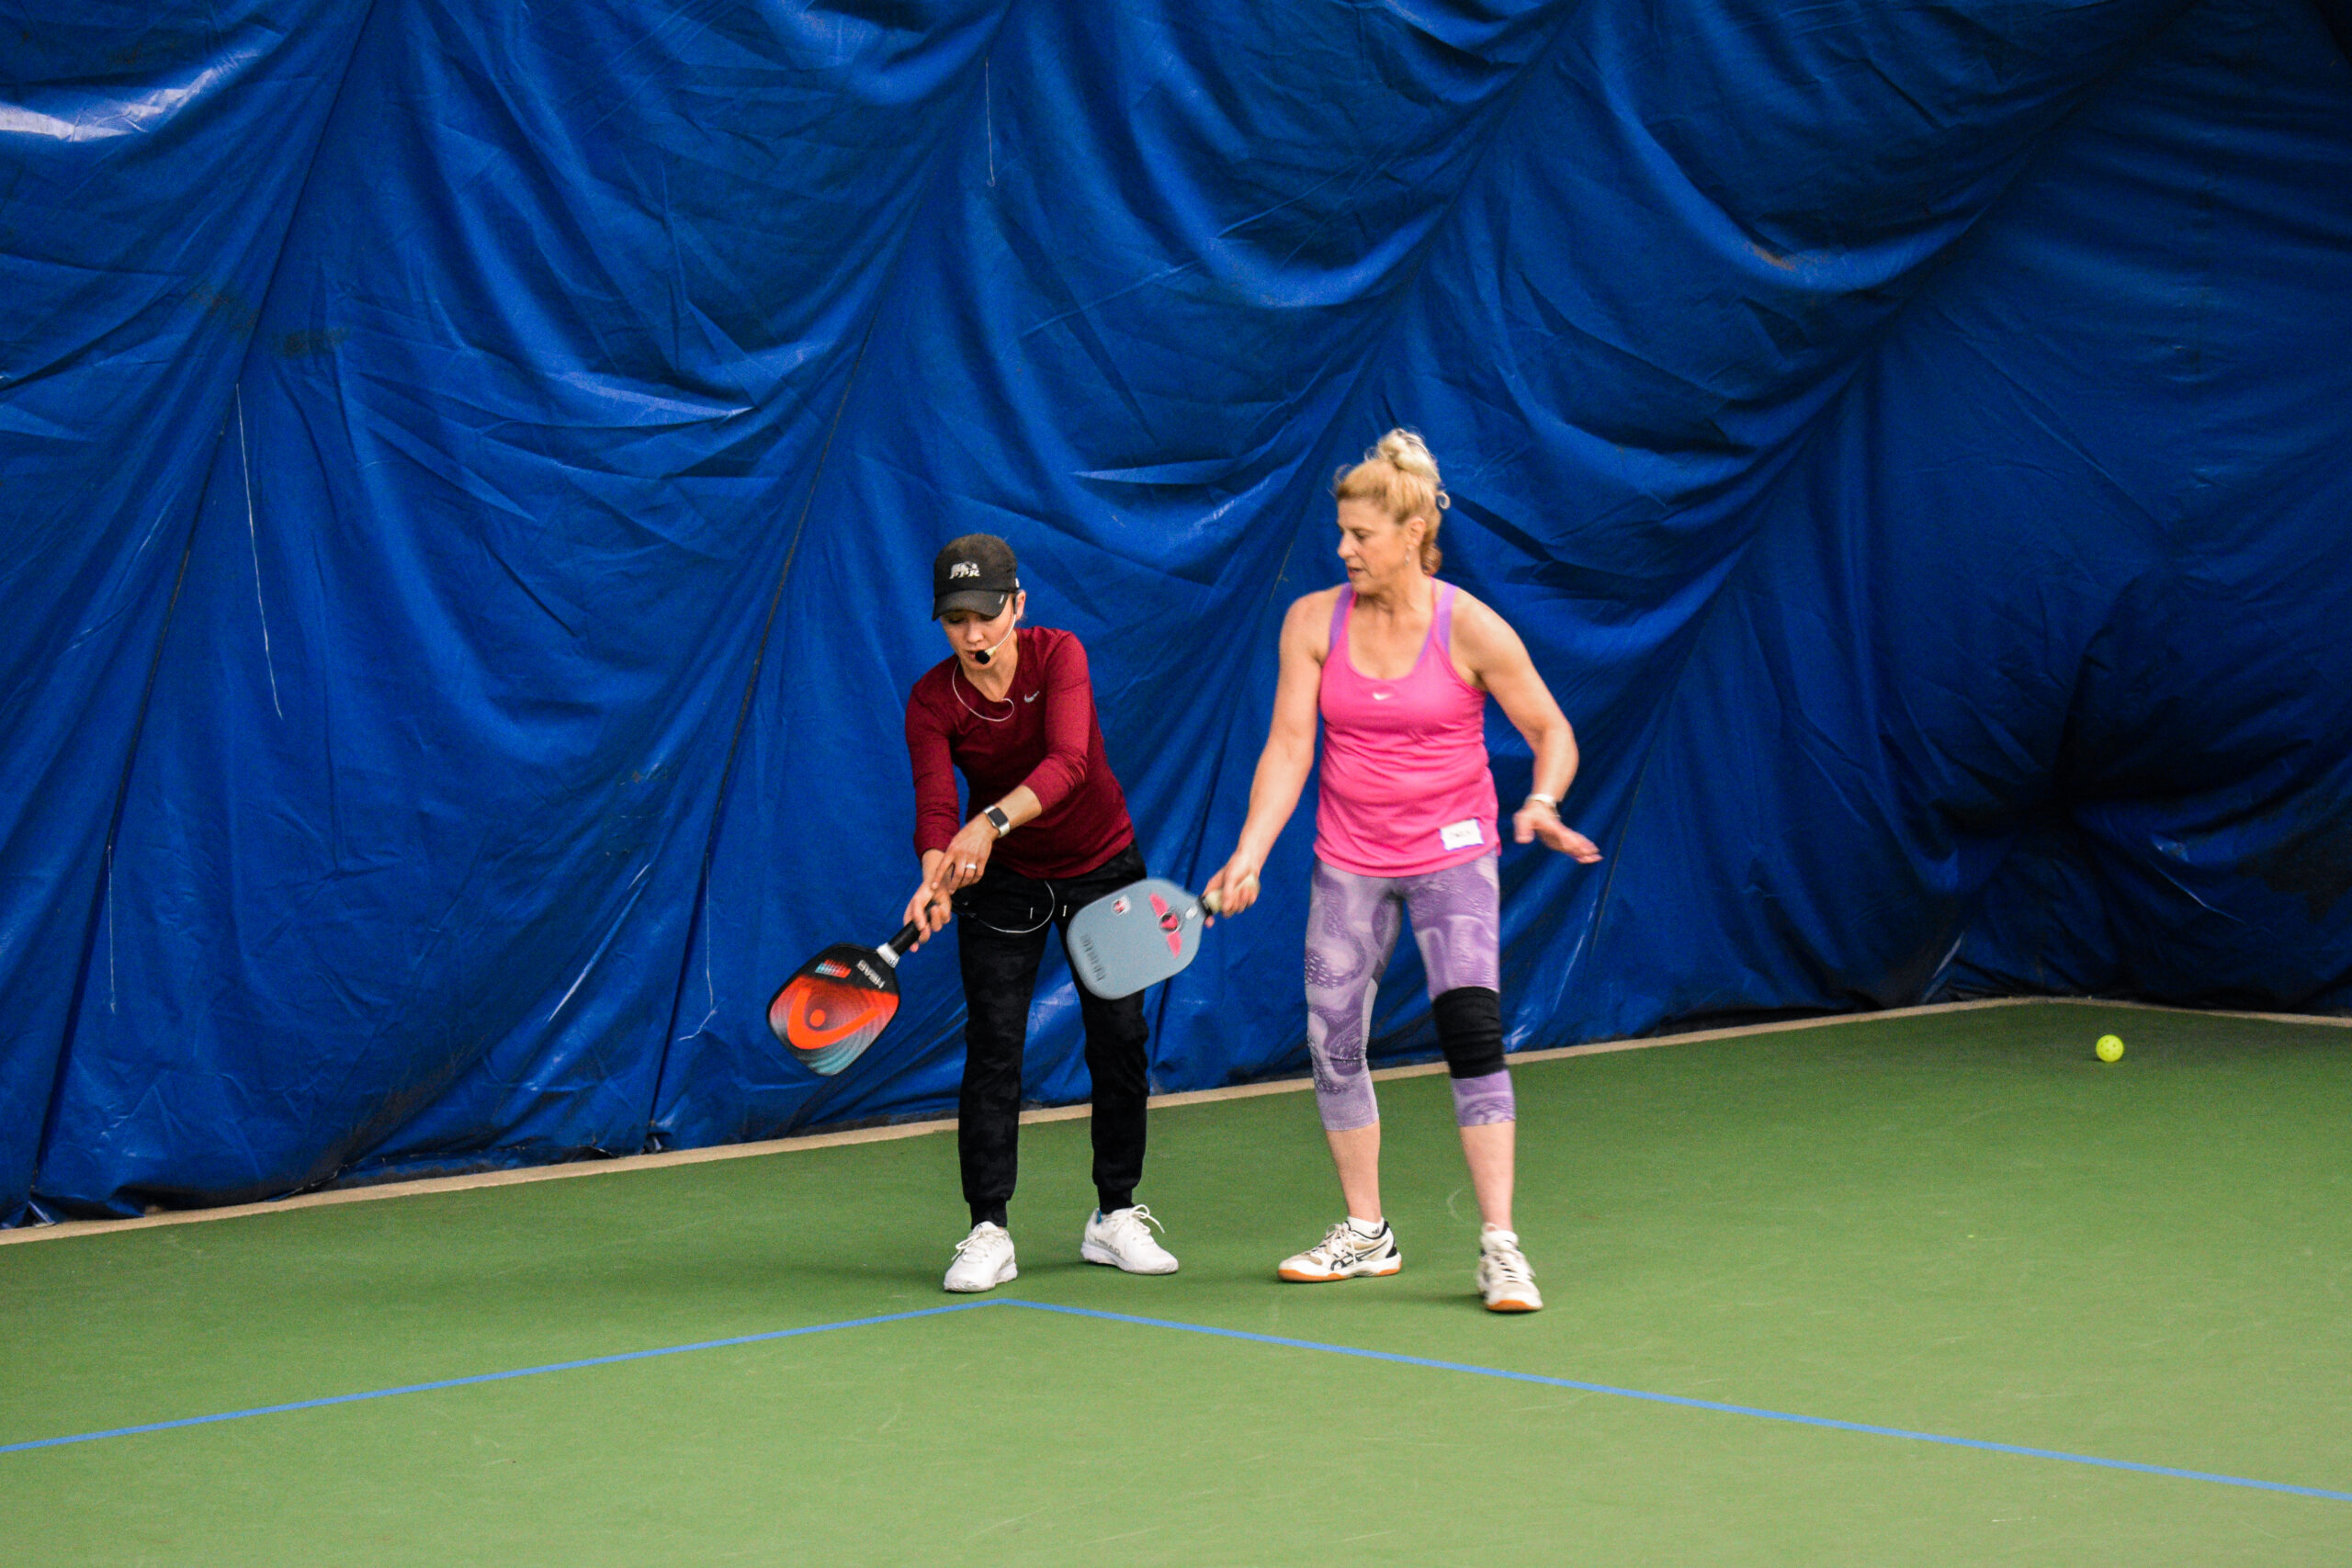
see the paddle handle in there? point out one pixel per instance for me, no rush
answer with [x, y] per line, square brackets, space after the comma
[897, 946]
[1213, 901]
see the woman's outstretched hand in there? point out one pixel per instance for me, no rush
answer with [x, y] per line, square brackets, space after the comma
[1535, 821]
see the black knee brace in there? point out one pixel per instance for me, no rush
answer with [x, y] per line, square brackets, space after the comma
[1470, 1031]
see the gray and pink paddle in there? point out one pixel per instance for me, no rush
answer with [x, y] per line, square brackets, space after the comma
[1135, 937]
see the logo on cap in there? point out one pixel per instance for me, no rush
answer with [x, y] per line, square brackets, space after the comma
[963, 568]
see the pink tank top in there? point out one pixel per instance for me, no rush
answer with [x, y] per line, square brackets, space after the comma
[1405, 785]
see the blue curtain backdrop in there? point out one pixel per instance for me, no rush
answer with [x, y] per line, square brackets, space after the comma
[470, 470]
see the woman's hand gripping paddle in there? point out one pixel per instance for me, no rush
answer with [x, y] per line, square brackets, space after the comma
[1136, 936]
[837, 1003]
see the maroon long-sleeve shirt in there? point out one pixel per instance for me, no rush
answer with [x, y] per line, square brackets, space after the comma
[1044, 734]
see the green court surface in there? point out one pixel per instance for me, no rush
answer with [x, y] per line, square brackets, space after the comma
[1957, 1225]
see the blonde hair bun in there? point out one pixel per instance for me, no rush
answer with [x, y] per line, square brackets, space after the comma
[1400, 476]
[1405, 451]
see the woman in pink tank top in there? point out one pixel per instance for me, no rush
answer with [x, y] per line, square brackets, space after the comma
[1396, 667]
[1405, 785]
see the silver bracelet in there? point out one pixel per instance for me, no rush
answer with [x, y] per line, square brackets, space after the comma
[1550, 803]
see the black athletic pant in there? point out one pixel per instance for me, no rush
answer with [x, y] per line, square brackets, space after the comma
[1002, 922]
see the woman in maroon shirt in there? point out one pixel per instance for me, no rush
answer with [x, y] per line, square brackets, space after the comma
[1045, 833]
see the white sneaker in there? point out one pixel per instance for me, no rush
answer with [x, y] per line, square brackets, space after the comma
[1122, 1239]
[1344, 1253]
[1503, 1276]
[983, 1260]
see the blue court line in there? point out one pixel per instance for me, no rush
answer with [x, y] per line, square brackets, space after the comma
[1686, 1402]
[487, 1377]
[1390, 1357]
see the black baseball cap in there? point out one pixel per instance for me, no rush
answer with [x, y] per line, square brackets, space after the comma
[976, 573]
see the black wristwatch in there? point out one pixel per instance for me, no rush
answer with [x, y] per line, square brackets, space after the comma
[999, 820]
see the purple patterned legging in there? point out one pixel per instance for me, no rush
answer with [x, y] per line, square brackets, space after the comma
[1351, 930]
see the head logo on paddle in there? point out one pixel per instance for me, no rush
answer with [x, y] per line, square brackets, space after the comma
[839, 1002]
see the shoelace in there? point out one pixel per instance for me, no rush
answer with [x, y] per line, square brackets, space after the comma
[1343, 1240]
[1511, 1264]
[1147, 1217]
[972, 1240]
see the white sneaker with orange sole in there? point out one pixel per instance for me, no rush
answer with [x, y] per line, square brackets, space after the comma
[1344, 1253]
[1503, 1276]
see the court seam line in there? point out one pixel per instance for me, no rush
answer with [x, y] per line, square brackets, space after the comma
[621, 1164]
[1391, 1357]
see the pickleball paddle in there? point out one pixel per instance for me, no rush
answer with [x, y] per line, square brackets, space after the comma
[1136, 936]
[839, 1001]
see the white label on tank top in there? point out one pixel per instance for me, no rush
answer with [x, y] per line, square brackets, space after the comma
[1461, 834]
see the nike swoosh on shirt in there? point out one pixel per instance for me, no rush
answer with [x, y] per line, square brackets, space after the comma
[1029, 698]
[1382, 696]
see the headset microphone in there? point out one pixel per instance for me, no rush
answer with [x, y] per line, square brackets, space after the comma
[984, 655]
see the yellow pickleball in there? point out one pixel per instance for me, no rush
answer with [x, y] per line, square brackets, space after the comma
[2109, 1048]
